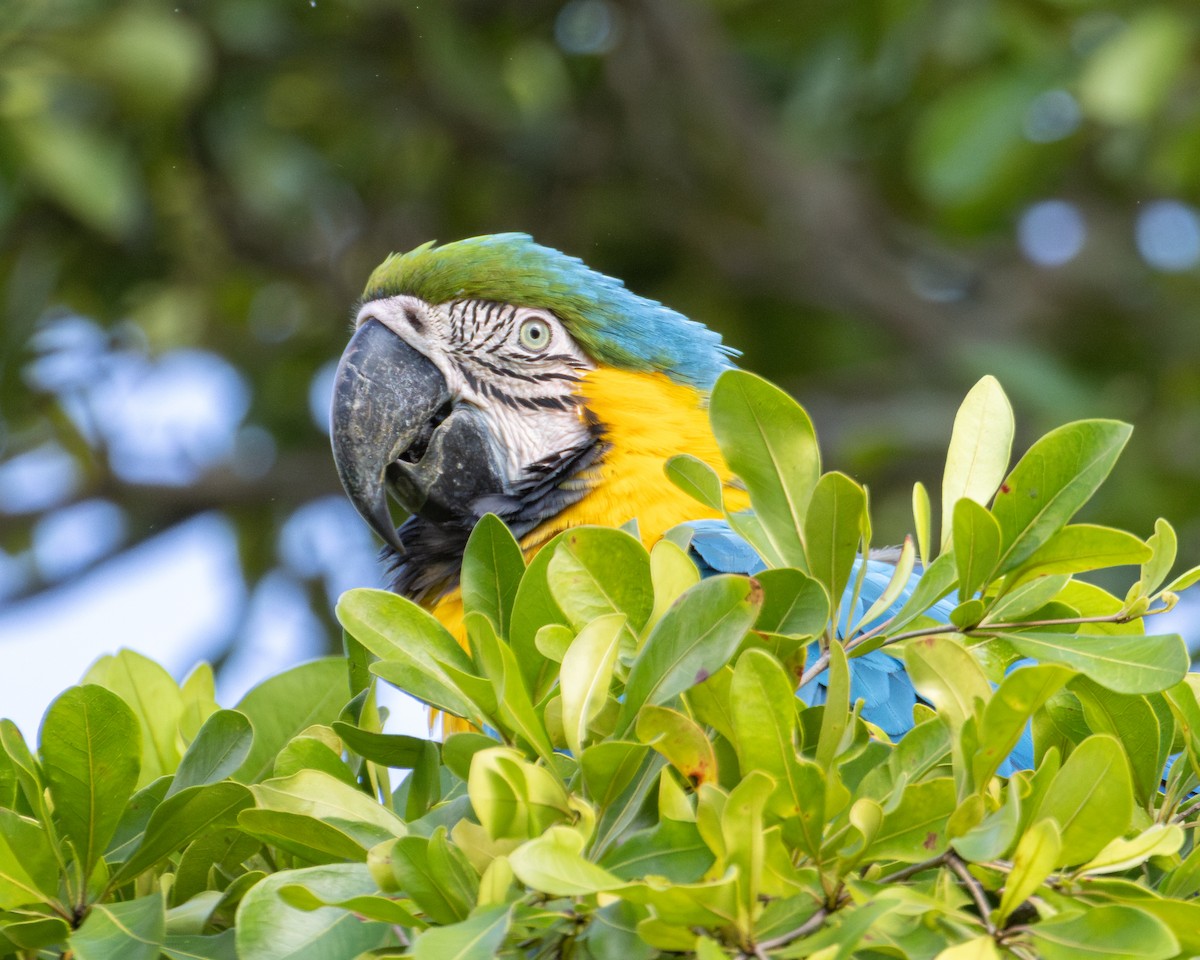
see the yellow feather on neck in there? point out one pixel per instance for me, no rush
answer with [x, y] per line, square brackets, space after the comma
[647, 418]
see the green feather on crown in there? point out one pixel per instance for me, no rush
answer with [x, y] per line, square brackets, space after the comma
[614, 325]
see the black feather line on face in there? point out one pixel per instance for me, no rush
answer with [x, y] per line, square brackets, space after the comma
[432, 562]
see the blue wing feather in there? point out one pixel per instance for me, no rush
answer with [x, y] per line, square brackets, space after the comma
[877, 678]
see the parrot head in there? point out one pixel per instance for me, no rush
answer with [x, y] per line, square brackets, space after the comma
[464, 387]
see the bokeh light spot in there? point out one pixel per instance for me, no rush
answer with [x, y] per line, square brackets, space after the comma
[1168, 236]
[37, 480]
[1051, 233]
[71, 538]
[1052, 116]
[253, 452]
[586, 27]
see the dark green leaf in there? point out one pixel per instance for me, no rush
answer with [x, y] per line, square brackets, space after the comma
[219, 749]
[492, 567]
[133, 930]
[1056, 477]
[697, 479]
[279, 708]
[696, 637]
[768, 440]
[90, 747]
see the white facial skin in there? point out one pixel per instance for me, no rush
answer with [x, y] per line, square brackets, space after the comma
[518, 365]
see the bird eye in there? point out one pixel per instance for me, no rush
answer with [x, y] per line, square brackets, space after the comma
[535, 333]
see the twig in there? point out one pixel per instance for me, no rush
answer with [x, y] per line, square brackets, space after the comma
[994, 629]
[985, 912]
[914, 868]
[811, 925]
[1186, 812]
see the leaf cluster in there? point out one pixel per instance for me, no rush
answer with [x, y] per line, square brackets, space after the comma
[640, 778]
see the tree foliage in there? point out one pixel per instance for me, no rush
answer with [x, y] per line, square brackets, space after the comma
[642, 779]
[838, 188]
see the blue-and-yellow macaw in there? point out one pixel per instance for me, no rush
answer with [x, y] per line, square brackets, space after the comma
[498, 375]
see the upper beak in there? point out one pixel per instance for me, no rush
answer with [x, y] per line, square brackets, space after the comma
[394, 423]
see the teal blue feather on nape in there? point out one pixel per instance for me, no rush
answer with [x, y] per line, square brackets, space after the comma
[876, 678]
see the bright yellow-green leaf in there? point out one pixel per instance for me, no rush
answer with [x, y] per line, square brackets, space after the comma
[980, 445]
[1038, 852]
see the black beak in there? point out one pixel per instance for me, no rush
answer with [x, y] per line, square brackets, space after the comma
[394, 424]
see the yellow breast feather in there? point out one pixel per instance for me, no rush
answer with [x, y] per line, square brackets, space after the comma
[647, 419]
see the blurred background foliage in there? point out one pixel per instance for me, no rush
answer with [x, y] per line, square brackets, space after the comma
[877, 202]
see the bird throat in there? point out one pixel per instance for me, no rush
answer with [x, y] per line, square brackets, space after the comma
[638, 421]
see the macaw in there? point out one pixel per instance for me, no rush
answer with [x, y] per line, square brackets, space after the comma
[497, 375]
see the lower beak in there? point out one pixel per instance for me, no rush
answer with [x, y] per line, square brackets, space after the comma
[394, 424]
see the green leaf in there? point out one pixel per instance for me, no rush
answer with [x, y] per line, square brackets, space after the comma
[696, 637]
[282, 706]
[25, 768]
[1091, 798]
[681, 740]
[671, 572]
[316, 794]
[608, 767]
[1007, 712]
[28, 868]
[937, 581]
[1133, 721]
[944, 673]
[181, 818]
[895, 587]
[383, 909]
[835, 716]
[673, 849]
[394, 628]
[514, 798]
[1056, 477]
[221, 747]
[1038, 853]
[980, 446]
[1119, 854]
[268, 928]
[586, 674]
[1163, 544]
[387, 749]
[995, 834]
[976, 546]
[221, 946]
[916, 829]
[302, 836]
[697, 479]
[596, 571]
[514, 708]
[90, 747]
[922, 522]
[832, 529]
[533, 608]
[492, 566]
[768, 440]
[1107, 930]
[553, 863]
[156, 701]
[1025, 599]
[794, 604]
[1082, 546]
[133, 930]
[1126, 663]
[432, 686]
[476, 938]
